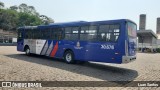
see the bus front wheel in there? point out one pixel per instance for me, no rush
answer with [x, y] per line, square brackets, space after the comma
[69, 57]
[27, 51]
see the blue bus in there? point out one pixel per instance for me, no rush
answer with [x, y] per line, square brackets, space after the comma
[112, 41]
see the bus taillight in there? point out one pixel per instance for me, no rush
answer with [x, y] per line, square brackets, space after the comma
[126, 47]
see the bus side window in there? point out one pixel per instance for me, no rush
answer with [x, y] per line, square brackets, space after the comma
[29, 34]
[103, 34]
[26, 34]
[56, 33]
[68, 31]
[88, 33]
[46, 33]
[115, 32]
[19, 34]
[74, 35]
[52, 33]
[71, 33]
[92, 33]
[36, 34]
[84, 33]
[113, 37]
[109, 32]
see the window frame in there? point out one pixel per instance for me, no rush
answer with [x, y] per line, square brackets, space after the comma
[37, 34]
[20, 34]
[71, 33]
[120, 32]
[28, 32]
[88, 28]
[55, 31]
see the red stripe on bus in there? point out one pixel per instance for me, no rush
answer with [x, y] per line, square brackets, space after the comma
[54, 50]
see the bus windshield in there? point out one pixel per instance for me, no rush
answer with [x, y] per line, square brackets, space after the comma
[132, 29]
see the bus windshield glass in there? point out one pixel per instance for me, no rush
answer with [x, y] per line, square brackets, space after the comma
[132, 29]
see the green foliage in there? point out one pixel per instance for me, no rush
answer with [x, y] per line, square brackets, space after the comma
[8, 19]
[26, 19]
[27, 9]
[14, 8]
[46, 20]
[22, 15]
[1, 4]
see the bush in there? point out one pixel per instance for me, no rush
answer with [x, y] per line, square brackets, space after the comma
[148, 50]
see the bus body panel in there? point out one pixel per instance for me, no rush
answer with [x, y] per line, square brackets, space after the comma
[35, 45]
[100, 52]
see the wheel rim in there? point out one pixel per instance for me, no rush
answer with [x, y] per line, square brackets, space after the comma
[68, 57]
[27, 51]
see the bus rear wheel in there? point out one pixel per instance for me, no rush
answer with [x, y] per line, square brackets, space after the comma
[69, 57]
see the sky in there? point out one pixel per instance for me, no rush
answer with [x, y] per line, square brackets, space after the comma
[95, 10]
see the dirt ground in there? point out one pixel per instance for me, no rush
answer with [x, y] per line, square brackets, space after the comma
[16, 66]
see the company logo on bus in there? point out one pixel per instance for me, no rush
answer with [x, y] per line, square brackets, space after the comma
[107, 47]
[78, 46]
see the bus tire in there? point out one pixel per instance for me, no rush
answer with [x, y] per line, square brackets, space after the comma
[69, 57]
[27, 51]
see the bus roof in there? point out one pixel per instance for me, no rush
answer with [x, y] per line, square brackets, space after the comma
[76, 23]
[79, 23]
[28, 27]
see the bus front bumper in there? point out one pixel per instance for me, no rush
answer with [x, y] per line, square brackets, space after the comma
[127, 59]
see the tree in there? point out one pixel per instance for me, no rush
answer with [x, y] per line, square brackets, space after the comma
[8, 19]
[22, 15]
[28, 9]
[23, 8]
[1, 4]
[14, 8]
[28, 20]
[46, 20]
[32, 10]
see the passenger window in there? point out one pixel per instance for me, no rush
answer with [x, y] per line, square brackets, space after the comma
[75, 30]
[68, 30]
[56, 33]
[46, 33]
[88, 33]
[109, 33]
[28, 34]
[104, 28]
[19, 34]
[71, 33]
[36, 34]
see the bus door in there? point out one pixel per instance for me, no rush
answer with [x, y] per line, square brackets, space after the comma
[20, 40]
